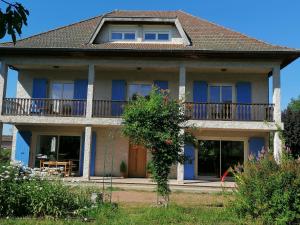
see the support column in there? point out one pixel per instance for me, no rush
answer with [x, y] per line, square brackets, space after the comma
[90, 91]
[87, 152]
[182, 84]
[277, 112]
[3, 81]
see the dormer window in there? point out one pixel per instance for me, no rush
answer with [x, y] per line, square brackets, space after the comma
[122, 36]
[156, 36]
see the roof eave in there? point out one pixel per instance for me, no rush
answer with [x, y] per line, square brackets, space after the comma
[287, 56]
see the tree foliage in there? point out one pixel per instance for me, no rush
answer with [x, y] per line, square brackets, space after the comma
[291, 132]
[12, 19]
[294, 105]
[156, 122]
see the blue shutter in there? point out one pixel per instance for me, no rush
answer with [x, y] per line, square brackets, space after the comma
[243, 97]
[189, 164]
[93, 154]
[23, 147]
[162, 85]
[256, 144]
[80, 89]
[39, 88]
[80, 93]
[200, 90]
[118, 97]
[81, 155]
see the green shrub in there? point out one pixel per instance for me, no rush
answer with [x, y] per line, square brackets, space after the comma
[268, 191]
[24, 194]
[123, 167]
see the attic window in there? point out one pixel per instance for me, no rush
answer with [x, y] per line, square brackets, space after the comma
[156, 36]
[122, 36]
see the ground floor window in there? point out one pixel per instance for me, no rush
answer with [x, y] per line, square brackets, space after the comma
[58, 148]
[216, 157]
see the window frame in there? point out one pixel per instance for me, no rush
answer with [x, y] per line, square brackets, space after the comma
[60, 82]
[136, 83]
[222, 85]
[156, 35]
[123, 32]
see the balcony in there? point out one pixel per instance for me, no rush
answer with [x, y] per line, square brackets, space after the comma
[114, 109]
[44, 107]
[229, 111]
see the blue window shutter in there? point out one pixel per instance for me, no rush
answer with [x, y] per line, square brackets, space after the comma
[189, 164]
[80, 89]
[80, 93]
[200, 90]
[118, 94]
[243, 96]
[256, 144]
[81, 155]
[23, 147]
[93, 154]
[39, 88]
[161, 84]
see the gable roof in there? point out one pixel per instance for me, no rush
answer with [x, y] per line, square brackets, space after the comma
[204, 37]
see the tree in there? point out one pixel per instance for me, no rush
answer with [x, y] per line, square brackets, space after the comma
[294, 105]
[291, 132]
[12, 19]
[155, 122]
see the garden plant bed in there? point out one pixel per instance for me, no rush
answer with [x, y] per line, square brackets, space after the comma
[138, 207]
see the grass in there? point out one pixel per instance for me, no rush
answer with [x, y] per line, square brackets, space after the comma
[202, 209]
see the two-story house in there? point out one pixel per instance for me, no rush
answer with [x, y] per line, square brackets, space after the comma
[74, 81]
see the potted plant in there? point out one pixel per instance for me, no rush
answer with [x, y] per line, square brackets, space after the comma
[149, 169]
[123, 169]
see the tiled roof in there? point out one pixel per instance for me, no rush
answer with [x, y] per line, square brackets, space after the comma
[203, 35]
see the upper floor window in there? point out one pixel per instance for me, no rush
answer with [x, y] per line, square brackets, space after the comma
[220, 93]
[62, 90]
[156, 36]
[123, 36]
[135, 90]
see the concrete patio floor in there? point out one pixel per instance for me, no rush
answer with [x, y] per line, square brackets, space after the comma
[201, 185]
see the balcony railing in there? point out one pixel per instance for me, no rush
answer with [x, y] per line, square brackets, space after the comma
[43, 107]
[110, 109]
[230, 111]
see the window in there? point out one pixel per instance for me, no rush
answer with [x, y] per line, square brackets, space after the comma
[62, 90]
[135, 90]
[220, 94]
[156, 36]
[122, 36]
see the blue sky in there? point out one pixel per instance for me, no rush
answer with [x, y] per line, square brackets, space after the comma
[273, 21]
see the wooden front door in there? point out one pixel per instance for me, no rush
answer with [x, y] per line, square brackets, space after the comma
[137, 161]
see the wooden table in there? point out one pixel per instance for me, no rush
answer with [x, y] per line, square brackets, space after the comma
[55, 164]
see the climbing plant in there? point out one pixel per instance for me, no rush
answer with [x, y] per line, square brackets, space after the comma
[155, 122]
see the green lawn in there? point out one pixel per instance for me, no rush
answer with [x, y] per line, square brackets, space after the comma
[149, 214]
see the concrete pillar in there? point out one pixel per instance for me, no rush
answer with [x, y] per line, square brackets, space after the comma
[87, 152]
[3, 81]
[277, 112]
[14, 144]
[90, 91]
[182, 84]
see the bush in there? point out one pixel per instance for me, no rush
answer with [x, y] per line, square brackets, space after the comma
[23, 194]
[268, 191]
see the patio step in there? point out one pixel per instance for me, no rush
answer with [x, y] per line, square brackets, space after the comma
[146, 185]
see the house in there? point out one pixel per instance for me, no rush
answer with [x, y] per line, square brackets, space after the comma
[74, 81]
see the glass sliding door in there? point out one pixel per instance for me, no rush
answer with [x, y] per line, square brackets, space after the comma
[209, 158]
[215, 157]
[58, 148]
[232, 153]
